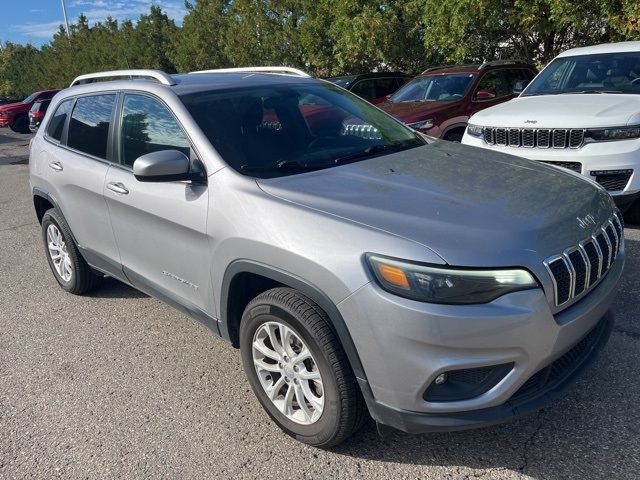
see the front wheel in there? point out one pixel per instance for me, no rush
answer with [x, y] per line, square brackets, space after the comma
[298, 369]
[21, 124]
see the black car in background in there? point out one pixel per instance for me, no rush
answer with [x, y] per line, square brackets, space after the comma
[373, 87]
[36, 114]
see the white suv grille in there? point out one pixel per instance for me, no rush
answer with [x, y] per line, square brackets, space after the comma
[534, 137]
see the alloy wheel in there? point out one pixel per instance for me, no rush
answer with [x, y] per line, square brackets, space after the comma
[58, 252]
[288, 372]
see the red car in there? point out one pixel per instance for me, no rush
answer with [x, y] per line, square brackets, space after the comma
[373, 87]
[16, 115]
[440, 101]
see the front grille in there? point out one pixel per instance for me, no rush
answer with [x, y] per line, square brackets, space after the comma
[613, 181]
[576, 270]
[573, 166]
[534, 137]
[560, 369]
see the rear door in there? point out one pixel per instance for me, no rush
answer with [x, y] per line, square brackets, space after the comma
[160, 227]
[77, 169]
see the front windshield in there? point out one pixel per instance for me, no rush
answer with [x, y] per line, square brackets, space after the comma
[276, 130]
[433, 88]
[30, 98]
[601, 73]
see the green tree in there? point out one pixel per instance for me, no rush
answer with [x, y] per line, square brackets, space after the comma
[199, 44]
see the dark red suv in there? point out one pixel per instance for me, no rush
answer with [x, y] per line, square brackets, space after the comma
[16, 115]
[440, 101]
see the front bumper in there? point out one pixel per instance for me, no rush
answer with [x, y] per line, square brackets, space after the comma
[619, 155]
[404, 345]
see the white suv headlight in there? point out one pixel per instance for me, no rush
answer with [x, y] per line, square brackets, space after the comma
[474, 130]
[614, 133]
[448, 285]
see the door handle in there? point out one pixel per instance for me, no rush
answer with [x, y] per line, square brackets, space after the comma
[57, 166]
[117, 187]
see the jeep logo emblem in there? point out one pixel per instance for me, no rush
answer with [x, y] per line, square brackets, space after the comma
[587, 221]
[531, 121]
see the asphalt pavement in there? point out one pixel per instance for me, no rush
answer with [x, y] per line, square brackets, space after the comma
[116, 384]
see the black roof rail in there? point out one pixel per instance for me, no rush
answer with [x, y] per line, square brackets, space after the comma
[442, 67]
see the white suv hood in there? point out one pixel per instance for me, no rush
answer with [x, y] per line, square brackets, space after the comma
[563, 111]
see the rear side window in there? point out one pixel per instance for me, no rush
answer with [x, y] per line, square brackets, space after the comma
[147, 126]
[385, 86]
[59, 118]
[365, 89]
[89, 126]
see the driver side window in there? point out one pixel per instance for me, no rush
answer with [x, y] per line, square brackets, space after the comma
[148, 126]
[492, 85]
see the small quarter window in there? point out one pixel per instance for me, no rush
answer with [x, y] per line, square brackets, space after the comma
[147, 126]
[59, 118]
[89, 126]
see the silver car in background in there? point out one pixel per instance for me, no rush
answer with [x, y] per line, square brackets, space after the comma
[360, 267]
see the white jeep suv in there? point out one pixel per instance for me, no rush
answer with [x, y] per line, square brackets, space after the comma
[582, 112]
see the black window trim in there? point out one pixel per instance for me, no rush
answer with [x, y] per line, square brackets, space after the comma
[117, 129]
[65, 131]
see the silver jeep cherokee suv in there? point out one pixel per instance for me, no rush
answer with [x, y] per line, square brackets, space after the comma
[359, 266]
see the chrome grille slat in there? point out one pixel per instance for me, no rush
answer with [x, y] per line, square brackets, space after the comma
[580, 267]
[559, 138]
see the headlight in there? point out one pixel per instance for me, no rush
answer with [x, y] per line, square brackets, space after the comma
[615, 133]
[449, 285]
[422, 125]
[474, 130]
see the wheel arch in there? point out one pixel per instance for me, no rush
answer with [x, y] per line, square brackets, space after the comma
[245, 279]
[461, 126]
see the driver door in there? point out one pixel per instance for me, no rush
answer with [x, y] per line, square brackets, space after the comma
[159, 227]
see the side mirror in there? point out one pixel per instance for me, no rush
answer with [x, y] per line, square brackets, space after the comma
[162, 166]
[485, 95]
[518, 87]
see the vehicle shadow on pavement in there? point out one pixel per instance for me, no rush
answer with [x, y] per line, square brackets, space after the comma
[590, 433]
[113, 288]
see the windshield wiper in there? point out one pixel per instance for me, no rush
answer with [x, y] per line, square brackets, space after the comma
[367, 152]
[593, 91]
[282, 165]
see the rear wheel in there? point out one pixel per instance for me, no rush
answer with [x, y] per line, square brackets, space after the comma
[632, 215]
[69, 268]
[298, 369]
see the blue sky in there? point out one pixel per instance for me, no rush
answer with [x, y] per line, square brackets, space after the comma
[35, 21]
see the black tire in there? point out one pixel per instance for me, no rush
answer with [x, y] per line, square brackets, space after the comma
[83, 279]
[632, 215]
[455, 136]
[21, 124]
[344, 409]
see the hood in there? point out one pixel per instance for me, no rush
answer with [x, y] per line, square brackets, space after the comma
[9, 107]
[408, 112]
[471, 206]
[563, 111]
